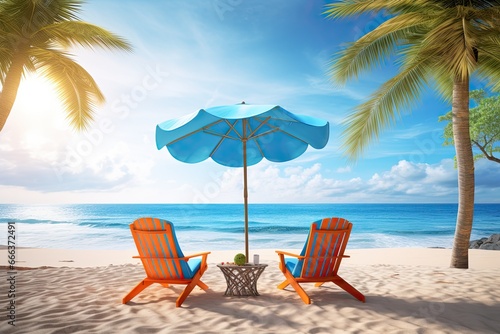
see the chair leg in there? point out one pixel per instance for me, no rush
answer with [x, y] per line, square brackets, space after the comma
[303, 295]
[202, 285]
[283, 285]
[349, 288]
[136, 290]
[188, 289]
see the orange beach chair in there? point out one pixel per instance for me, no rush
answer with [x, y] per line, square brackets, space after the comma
[163, 259]
[320, 258]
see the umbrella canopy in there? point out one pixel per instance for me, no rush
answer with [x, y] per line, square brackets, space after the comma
[241, 135]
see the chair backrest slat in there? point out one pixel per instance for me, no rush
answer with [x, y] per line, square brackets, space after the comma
[324, 248]
[158, 248]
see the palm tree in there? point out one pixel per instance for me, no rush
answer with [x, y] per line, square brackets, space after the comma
[34, 37]
[438, 42]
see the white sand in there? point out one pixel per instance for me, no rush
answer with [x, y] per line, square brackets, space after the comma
[407, 291]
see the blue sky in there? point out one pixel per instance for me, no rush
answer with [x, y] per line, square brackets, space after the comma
[194, 54]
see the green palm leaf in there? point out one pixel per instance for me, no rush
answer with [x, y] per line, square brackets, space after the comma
[70, 33]
[77, 89]
[369, 49]
[437, 42]
[34, 35]
[382, 109]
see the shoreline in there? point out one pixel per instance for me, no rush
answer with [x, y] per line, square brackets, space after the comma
[27, 257]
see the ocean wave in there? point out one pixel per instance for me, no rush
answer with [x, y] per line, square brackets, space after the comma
[421, 232]
[221, 226]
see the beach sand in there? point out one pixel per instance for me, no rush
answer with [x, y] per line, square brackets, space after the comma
[407, 291]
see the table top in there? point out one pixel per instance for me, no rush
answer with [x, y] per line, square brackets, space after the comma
[247, 265]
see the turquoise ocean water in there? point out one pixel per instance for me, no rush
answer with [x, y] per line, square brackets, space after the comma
[220, 226]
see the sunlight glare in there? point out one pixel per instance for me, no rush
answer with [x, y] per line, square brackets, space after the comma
[38, 100]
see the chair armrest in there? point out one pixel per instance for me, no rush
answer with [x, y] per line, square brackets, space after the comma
[196, 255]
[303, 257]
[204, 254]
[282, 254]
[290, 254]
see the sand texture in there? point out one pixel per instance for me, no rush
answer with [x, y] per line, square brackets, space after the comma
[407, 291]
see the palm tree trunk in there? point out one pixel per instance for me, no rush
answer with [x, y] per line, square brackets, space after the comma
[10, 87]
[465, 166]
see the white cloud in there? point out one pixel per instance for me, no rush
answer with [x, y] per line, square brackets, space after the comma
[119, 174]
[346, 169]
[61, 166]
[416, 179]
[404, 182]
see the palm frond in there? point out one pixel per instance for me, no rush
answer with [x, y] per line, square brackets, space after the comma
[489, 66]
[348, 8]
[64, 10]
[443, 82]
[382, 109]
[27, 16]
[417, 52]
[489, 17]
[69, 33]
[433, 41]
[77, 89]
[453, 41]
[5, 61]
[370, 49]
[29, 65]
[34, 33]
[489, 49]
[468, 3]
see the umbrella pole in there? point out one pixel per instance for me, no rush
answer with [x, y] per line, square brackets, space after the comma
[245, 196]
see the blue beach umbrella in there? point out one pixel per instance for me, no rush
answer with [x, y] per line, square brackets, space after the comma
[241, 135]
